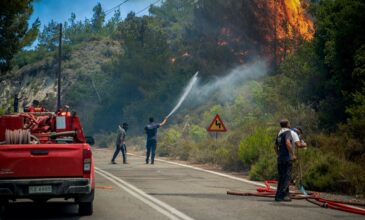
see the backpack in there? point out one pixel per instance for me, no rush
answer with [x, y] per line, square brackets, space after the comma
[280, 144]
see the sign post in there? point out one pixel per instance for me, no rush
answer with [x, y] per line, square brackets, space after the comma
[216, 126]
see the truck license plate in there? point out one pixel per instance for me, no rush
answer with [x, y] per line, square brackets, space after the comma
[40, 189]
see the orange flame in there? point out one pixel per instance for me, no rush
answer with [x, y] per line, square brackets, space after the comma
[292, 19]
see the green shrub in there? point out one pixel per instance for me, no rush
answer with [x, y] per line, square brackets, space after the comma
[355, 175]
[255, 145]
[169, 142]
[183, 149]
[197, 133]
[204, 151]
[163, 150]
[323, 173]
[222, 154]
[227, 157]
[265, 168]
[2, 110]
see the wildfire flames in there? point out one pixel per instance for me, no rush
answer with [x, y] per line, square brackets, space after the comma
[276, 21]
[268, 28]
[291, 19]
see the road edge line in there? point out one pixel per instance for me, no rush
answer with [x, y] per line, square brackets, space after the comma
[162, 207]
[208, 171]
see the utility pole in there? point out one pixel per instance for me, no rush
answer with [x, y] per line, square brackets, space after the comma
[275, 34]
[59, 70]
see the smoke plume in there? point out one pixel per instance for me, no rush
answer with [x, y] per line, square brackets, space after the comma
[222, 89]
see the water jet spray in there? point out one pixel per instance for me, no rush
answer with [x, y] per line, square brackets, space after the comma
[186, 92]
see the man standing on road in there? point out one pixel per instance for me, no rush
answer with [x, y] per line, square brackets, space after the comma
[151, 131]
[284, 148]
[120, 143]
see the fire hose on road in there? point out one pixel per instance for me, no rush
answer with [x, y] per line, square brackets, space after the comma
[313, 198]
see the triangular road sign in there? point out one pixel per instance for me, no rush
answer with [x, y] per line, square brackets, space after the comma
[217, 125]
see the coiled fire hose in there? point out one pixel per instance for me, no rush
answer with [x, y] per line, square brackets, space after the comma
[19, 136]
[22, 136]
[311, 197]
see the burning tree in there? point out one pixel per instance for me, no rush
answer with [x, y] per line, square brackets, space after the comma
[250, 28]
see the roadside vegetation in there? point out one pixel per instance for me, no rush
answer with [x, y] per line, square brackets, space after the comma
[133, 68]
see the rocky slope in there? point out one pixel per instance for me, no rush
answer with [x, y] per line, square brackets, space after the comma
[39, 80]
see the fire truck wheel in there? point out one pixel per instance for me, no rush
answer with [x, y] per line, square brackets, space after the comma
[3, 203]
[85, 208]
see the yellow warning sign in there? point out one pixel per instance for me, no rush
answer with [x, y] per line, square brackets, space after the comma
[217, 125]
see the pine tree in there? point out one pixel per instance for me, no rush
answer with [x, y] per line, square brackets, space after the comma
[14, 32]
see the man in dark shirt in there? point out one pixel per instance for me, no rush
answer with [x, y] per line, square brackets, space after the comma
[151, 131]
[120, 143]
[286, 143]
[285, 152]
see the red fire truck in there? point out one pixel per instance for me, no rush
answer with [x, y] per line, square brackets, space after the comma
[45, 155]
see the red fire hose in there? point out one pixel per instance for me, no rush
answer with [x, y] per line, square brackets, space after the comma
[267, 188]
[336, 205]
[311, 197]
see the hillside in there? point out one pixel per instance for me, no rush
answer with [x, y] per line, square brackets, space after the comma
[81, 71]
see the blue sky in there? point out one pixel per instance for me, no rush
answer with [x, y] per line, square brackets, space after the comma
[60, 10]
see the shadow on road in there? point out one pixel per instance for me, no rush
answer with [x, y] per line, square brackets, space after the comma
[49, 210]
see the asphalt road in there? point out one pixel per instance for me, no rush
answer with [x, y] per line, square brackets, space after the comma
[167, 190]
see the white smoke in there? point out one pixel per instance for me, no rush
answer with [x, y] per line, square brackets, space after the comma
[223, 88]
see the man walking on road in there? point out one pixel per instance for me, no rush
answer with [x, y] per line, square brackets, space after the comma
[151, 131]
[120, 143]
[284, 148]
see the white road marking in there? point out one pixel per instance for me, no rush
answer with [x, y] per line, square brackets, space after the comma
[209, 171]
[158, 205]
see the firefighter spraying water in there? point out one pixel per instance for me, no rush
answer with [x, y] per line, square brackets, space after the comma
[151, 128]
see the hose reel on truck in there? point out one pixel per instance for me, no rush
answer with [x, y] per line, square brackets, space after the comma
[41, 128]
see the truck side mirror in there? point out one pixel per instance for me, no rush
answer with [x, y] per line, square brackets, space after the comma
[90, 140]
